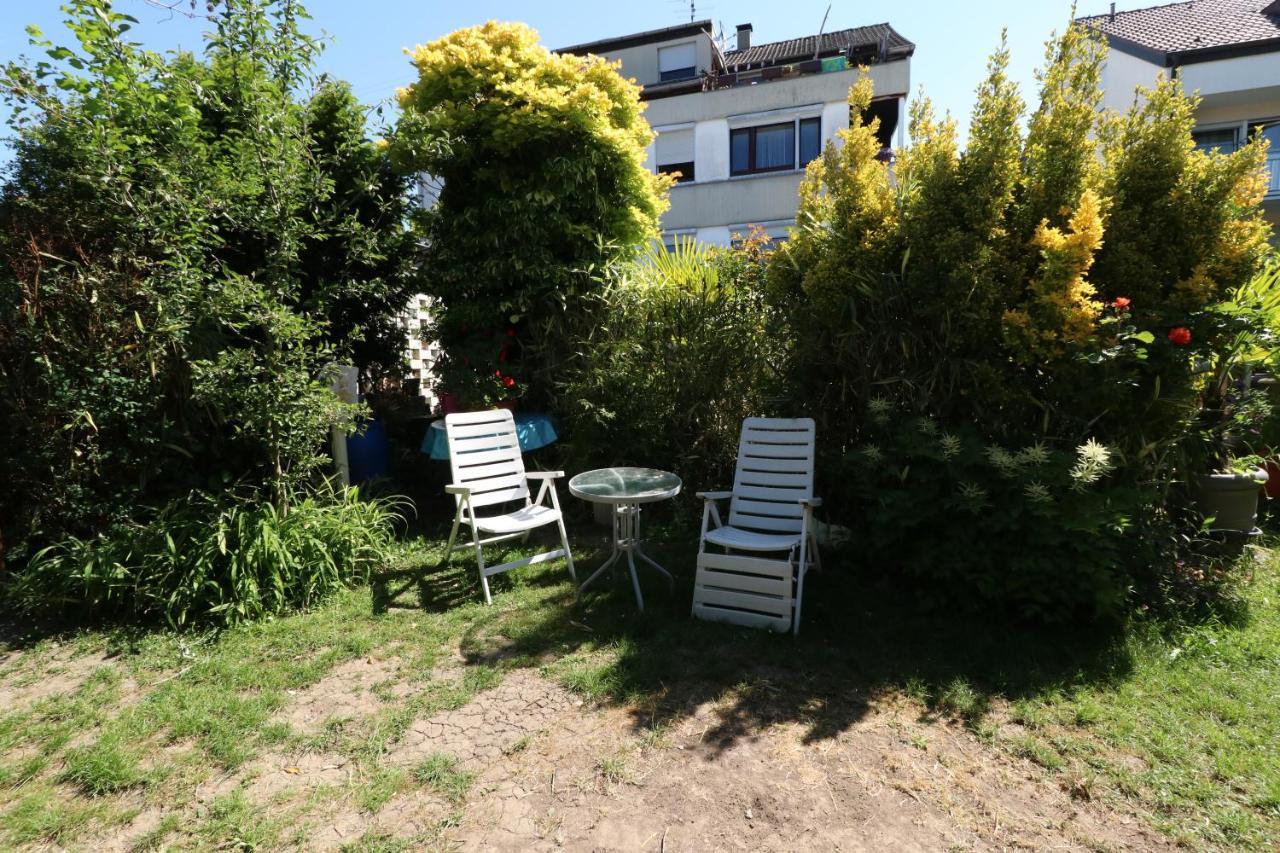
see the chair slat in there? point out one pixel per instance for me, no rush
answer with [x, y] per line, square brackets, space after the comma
[746, 583]
[772, 605]
[780, 509]
[487, 416]
[457, 431]
[489, 484]
[496, 469]
[744, 618]
[764, 522]
[756, 450]
[786, 466]
[753, 565]
[468, 459]
[500, 496]
[772, 493]
[779, 423]
[769, 478]
[774, 436]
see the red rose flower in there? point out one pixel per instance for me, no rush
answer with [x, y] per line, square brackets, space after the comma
[1121, 303]
[508, 382]
[1180, 335]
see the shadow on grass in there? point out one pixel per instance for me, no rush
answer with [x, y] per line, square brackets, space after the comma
[861, 638]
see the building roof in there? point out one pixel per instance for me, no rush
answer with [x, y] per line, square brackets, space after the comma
[1193, 31]
[602, 46]
[827, 44]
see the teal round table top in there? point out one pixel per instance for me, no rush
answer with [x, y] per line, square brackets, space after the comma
[625, 485]
[533, 430]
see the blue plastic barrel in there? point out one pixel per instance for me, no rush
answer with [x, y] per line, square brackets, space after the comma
[367, 453]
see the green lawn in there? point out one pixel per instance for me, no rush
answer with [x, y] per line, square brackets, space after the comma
[1183, 726]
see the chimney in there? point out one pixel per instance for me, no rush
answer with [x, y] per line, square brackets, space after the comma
[1113, 13]
[744, 36]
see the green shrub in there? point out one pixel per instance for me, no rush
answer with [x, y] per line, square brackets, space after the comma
[543, 192]
[186, 247]
[213, 560]
[1080, 281]
[1039, 530]
[680, 351]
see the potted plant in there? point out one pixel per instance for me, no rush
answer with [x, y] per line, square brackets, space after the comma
[1228, 497]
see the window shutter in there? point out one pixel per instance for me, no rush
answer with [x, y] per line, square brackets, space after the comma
[677, 58]
[674, 146]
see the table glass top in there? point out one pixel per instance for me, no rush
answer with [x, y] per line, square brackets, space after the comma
[625, 484]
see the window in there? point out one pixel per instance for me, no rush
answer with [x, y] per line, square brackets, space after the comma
[773, 147]
[810, 140]
[1222, 140]
[673, 153]
[1269, 130]
[682, 171]
[678, 62]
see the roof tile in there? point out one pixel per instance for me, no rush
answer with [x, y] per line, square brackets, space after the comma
[799, 49]
[1192, 25]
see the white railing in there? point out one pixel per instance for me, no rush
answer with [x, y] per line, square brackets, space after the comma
[1273, 176]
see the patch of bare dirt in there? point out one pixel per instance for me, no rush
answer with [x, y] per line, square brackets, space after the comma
[30, 677]
[489, 726]
[124, 839]
[890, 781]
[554, 774]
[277, 777]
[347, 692]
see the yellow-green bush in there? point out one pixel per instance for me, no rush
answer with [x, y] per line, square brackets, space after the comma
[1059, 284]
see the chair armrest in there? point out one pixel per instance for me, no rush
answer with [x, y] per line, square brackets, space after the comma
[715, 496]
[465, 491]
[544, 475]
[811, 502]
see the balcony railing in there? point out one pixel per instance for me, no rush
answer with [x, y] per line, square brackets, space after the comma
[1273, 174]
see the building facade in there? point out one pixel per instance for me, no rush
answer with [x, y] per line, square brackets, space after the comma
[1227, 51]
[737, 127]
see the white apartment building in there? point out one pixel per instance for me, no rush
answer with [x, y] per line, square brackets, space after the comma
[1226, 50]
[738, 126]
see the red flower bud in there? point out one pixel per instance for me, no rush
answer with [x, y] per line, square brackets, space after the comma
[508, 382]
[1180, 336]
[1121, 303]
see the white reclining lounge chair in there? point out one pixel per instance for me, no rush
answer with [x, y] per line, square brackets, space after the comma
[488, 470]
[753, 573]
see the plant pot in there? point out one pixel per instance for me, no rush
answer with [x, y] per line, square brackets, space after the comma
[1272, 488]
[1231, 500]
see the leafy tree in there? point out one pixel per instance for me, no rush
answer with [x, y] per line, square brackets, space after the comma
[1055, 287]
[541, 157]
[186, 247]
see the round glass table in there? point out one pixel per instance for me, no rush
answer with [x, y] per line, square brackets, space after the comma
[626, 489]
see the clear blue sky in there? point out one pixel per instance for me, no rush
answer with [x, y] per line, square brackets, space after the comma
[952, 39]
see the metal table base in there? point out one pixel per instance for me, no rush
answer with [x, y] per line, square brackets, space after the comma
[626, 540]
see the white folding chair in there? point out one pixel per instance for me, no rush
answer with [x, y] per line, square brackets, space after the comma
[754, 574]
[488, 470]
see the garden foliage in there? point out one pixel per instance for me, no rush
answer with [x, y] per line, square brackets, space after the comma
[686, 347]
[213, 559]
[188, 243]
[540, 158]
[1059, 288]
